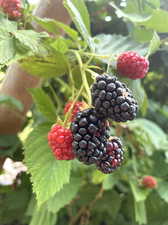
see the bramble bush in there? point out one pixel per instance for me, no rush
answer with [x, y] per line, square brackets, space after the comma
[66, 191]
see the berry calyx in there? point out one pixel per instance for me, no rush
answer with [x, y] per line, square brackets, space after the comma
[77, 107]
[11, 7]
[132, 65]
[112, 99]
[149, 182]
[60, 140]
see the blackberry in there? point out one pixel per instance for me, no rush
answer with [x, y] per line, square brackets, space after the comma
[112, 99]
[89, 136]
[113, 157]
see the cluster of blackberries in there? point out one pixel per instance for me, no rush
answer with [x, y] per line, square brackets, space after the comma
[112, 99]
[90, 128]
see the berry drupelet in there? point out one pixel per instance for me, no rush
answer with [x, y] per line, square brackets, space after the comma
[89, 136]
[113, 157]
[77, 107]
[112, 99]
[60, 140]
[132, 65]
[11, 7]
[149, 182]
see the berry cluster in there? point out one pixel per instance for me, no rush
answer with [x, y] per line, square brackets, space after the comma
[60, 140]
[132, 65]
[112, 99]
[149, 182]
[88, 138]
[91, 141]
[11, 7]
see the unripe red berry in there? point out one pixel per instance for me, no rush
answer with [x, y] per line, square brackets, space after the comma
[60, 140]
[132, 65]
[149, 182]
[11, 7]
[77, 107]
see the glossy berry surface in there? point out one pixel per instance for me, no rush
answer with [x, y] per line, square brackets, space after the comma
[132, 65]
[11, 7]
[60, 140]
[113, 157]
[149, 182]
[89, 136]
[112, 99]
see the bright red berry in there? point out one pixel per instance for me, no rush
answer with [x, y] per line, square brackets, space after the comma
[78, 106]
[11, 7]
[132, 65]
[60, 140]
[149, 182]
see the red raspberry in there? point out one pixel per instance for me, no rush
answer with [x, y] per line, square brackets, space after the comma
[11, 7]
[132, 65]
[60, 140]
[149, 182]
[78, 106]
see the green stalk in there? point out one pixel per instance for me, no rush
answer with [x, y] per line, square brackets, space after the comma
[84, 79]
[71, 80]
[70, 110]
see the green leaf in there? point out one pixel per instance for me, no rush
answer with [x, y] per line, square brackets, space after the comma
[7, 25]
[98, 177]
[140, 212]
[7, 49]
[11, 101]
[109, 182]
[30, 39]
[13, 203]
[44, 103]
[54, 26]
[152, 131]
[141, 34]
[80, 5]
[133, 17]
[107, 44]
[154, 44]
[163, 190]
[60, 45]
[77, 18]
[48, 175]
[65, 196]
[43, 217]
[9, 144]
[110, 203]
[140, 194]
[46, 67]
[158, 21]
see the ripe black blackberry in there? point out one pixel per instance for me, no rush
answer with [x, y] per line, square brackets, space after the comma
[112, 99]
[113, 156]
[89, 136]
